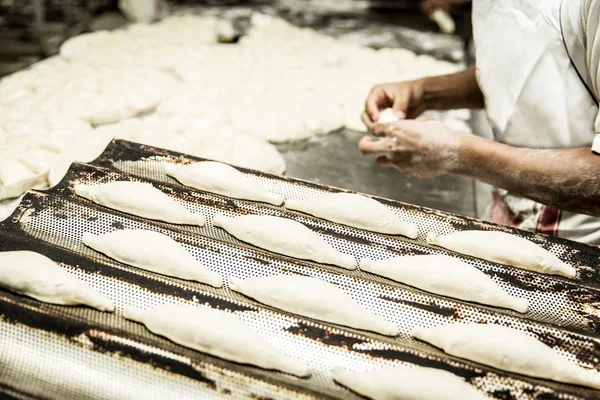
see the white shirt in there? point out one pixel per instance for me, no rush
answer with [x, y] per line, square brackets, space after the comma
[534, 95]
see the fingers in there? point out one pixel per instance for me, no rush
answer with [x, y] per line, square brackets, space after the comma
[382, 130]
[399, 164]
[404, 125]
[384, 161]
[401, 103]
[416, 111]
[368, 146]
[400, 114]
[367, 120]
[375, 101]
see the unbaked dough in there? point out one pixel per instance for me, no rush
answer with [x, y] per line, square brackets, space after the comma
[15, 177]
[313, 298]
[83, 149]
[507, 349]
[161, 45]
[122, 74]
[283, 236]
[233, 147]
[407, 383]
[222, 179]
[35, 275]
[387, 116]
[141, 199]
[152, 251]
[215, 332]
[99, 95]
[446, 276]
[504, 248]
[198, 137]
[357, 211]
[30, 148]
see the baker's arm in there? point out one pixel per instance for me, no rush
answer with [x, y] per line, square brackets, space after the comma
[568, 178]
[454, 91]
[565, 178]
[410, 99]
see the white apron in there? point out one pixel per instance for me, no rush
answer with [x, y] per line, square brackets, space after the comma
[535, 97]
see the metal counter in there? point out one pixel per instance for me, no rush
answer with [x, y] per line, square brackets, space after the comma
[335, 160]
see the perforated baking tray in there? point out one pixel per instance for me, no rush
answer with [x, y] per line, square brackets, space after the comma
[50, 351]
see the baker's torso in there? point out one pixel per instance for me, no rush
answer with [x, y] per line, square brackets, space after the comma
[534, 98]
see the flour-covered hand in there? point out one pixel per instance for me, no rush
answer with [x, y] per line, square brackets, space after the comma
[423, 149]
[407, 99]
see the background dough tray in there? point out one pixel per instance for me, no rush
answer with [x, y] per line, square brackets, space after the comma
[49, 351]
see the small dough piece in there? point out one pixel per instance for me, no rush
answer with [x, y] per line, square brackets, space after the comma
[283, 236]
[387, 116]
[507, 349]
[407, 383]
[141, 199]
[313, 298]
[215, 332]
[446, 276]
[357, 211]
[222, 179]
[35, 275]
[152, 251]
[504, 248]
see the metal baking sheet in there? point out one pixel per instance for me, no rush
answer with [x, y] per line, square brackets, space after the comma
[102, 355]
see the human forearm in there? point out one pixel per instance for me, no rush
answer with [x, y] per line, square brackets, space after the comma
[453, 91]
[567, 178]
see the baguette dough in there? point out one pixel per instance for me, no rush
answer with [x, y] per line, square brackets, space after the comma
[507, 349]
[313, 298]
[222, 179]
[141, 199]
[283, 236]
[357, 211]
[446, 276]
[407, 383]
[504, 248]
[35, 275]
[152, 251]
[215, 332]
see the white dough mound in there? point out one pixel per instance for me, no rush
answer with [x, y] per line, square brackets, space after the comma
[196, 137]
[98, 95]
[280, 83]
[30, 149]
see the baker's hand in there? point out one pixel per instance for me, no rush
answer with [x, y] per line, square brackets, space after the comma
[406, 98]
[420, 148]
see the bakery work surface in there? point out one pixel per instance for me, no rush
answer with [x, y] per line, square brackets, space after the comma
[63, 352]
[335, 160]
[173, 85]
